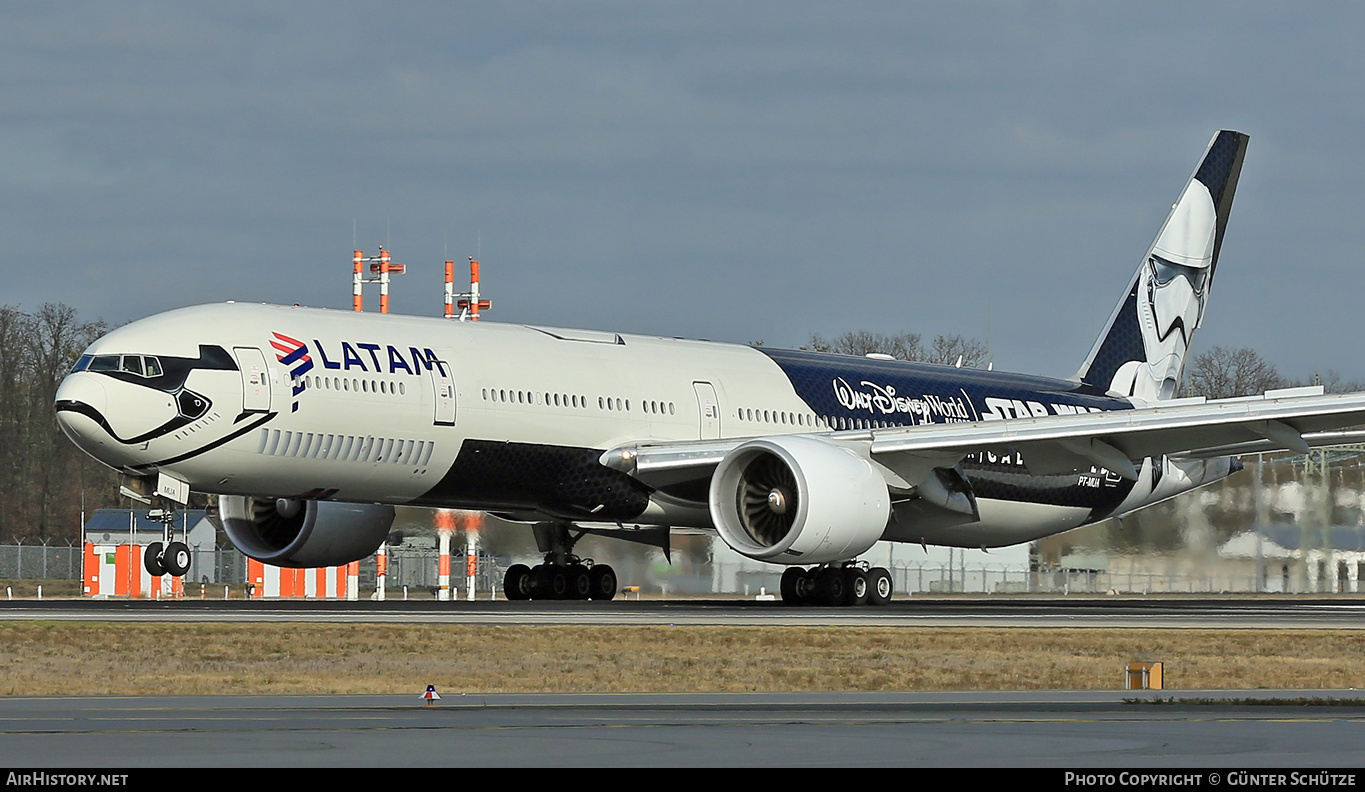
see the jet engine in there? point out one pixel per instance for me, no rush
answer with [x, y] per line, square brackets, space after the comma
[303, 533]
[798, 500]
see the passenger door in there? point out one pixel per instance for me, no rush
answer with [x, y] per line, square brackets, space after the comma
[255, 379]
[709, 408]
[444, 389]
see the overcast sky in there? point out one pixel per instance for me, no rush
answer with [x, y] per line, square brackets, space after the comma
[733, 170]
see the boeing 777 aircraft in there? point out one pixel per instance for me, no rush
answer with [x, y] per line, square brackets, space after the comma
[310, 425]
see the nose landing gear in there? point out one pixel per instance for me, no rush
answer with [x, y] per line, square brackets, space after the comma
[166, 557]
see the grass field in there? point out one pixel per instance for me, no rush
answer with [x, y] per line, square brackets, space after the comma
[49, 658]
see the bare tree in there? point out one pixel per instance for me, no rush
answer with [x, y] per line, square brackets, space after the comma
[15, 327]
[1223, 372]
[949, 349]
[1331, 382]
[945, 349]
[42, 474]
[904, 346]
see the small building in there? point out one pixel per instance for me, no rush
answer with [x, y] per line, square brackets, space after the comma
[1294, 559]
[114, 542]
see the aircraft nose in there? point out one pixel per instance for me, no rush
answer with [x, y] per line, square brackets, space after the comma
[80, 406]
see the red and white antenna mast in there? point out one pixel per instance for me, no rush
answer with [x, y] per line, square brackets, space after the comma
[380, 269]
[468, 302]
[357, 280]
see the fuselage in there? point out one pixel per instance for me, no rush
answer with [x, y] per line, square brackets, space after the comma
[243, 399]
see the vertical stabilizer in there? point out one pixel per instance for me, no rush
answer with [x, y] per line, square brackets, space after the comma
[1141, 351]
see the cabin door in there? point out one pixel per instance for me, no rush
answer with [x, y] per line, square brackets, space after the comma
[255, 379]
[709, 408]
[444, 390]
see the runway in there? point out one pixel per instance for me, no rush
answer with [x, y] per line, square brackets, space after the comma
[1057, 729]
[1169, 612]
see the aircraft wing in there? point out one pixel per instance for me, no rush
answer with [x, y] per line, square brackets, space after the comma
[1294, 419]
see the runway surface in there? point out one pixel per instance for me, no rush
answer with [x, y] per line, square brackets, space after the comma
[1346, 612]
[1058, 729]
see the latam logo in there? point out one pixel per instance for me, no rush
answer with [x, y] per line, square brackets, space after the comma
[377, 359]
[290, 351]
[370, 358]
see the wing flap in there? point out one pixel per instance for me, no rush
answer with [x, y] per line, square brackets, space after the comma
[1052, 443]
[1310, 439]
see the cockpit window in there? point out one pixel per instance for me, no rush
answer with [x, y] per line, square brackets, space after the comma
[140, 365]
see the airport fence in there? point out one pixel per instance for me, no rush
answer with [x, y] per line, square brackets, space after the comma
[943, 578]
[982, 579]
[52, 560]
[416, 568]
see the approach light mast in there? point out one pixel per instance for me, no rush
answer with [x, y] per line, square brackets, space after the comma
[380, 269]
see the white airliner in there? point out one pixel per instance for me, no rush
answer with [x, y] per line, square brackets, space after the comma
[310, 425]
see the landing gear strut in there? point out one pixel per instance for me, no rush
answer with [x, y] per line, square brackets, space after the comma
[837, 585]
[563, 576]
[166, 557]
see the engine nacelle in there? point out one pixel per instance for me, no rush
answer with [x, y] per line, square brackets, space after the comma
[303, 533]
[798, 500]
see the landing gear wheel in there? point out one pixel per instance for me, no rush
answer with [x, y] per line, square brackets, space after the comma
[151, 560]
[551, 582]
[878, 586]
[830, 588]
[580, 582]
[602, 580]
[176, 559]
[855, 580]
[516, 584]
[793, 585]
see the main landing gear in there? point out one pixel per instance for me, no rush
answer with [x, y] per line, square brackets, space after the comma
[166, 557]
[836, 585]
[563, 576]
[574, 581]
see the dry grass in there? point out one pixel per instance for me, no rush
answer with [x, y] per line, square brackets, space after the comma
[43, 658]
